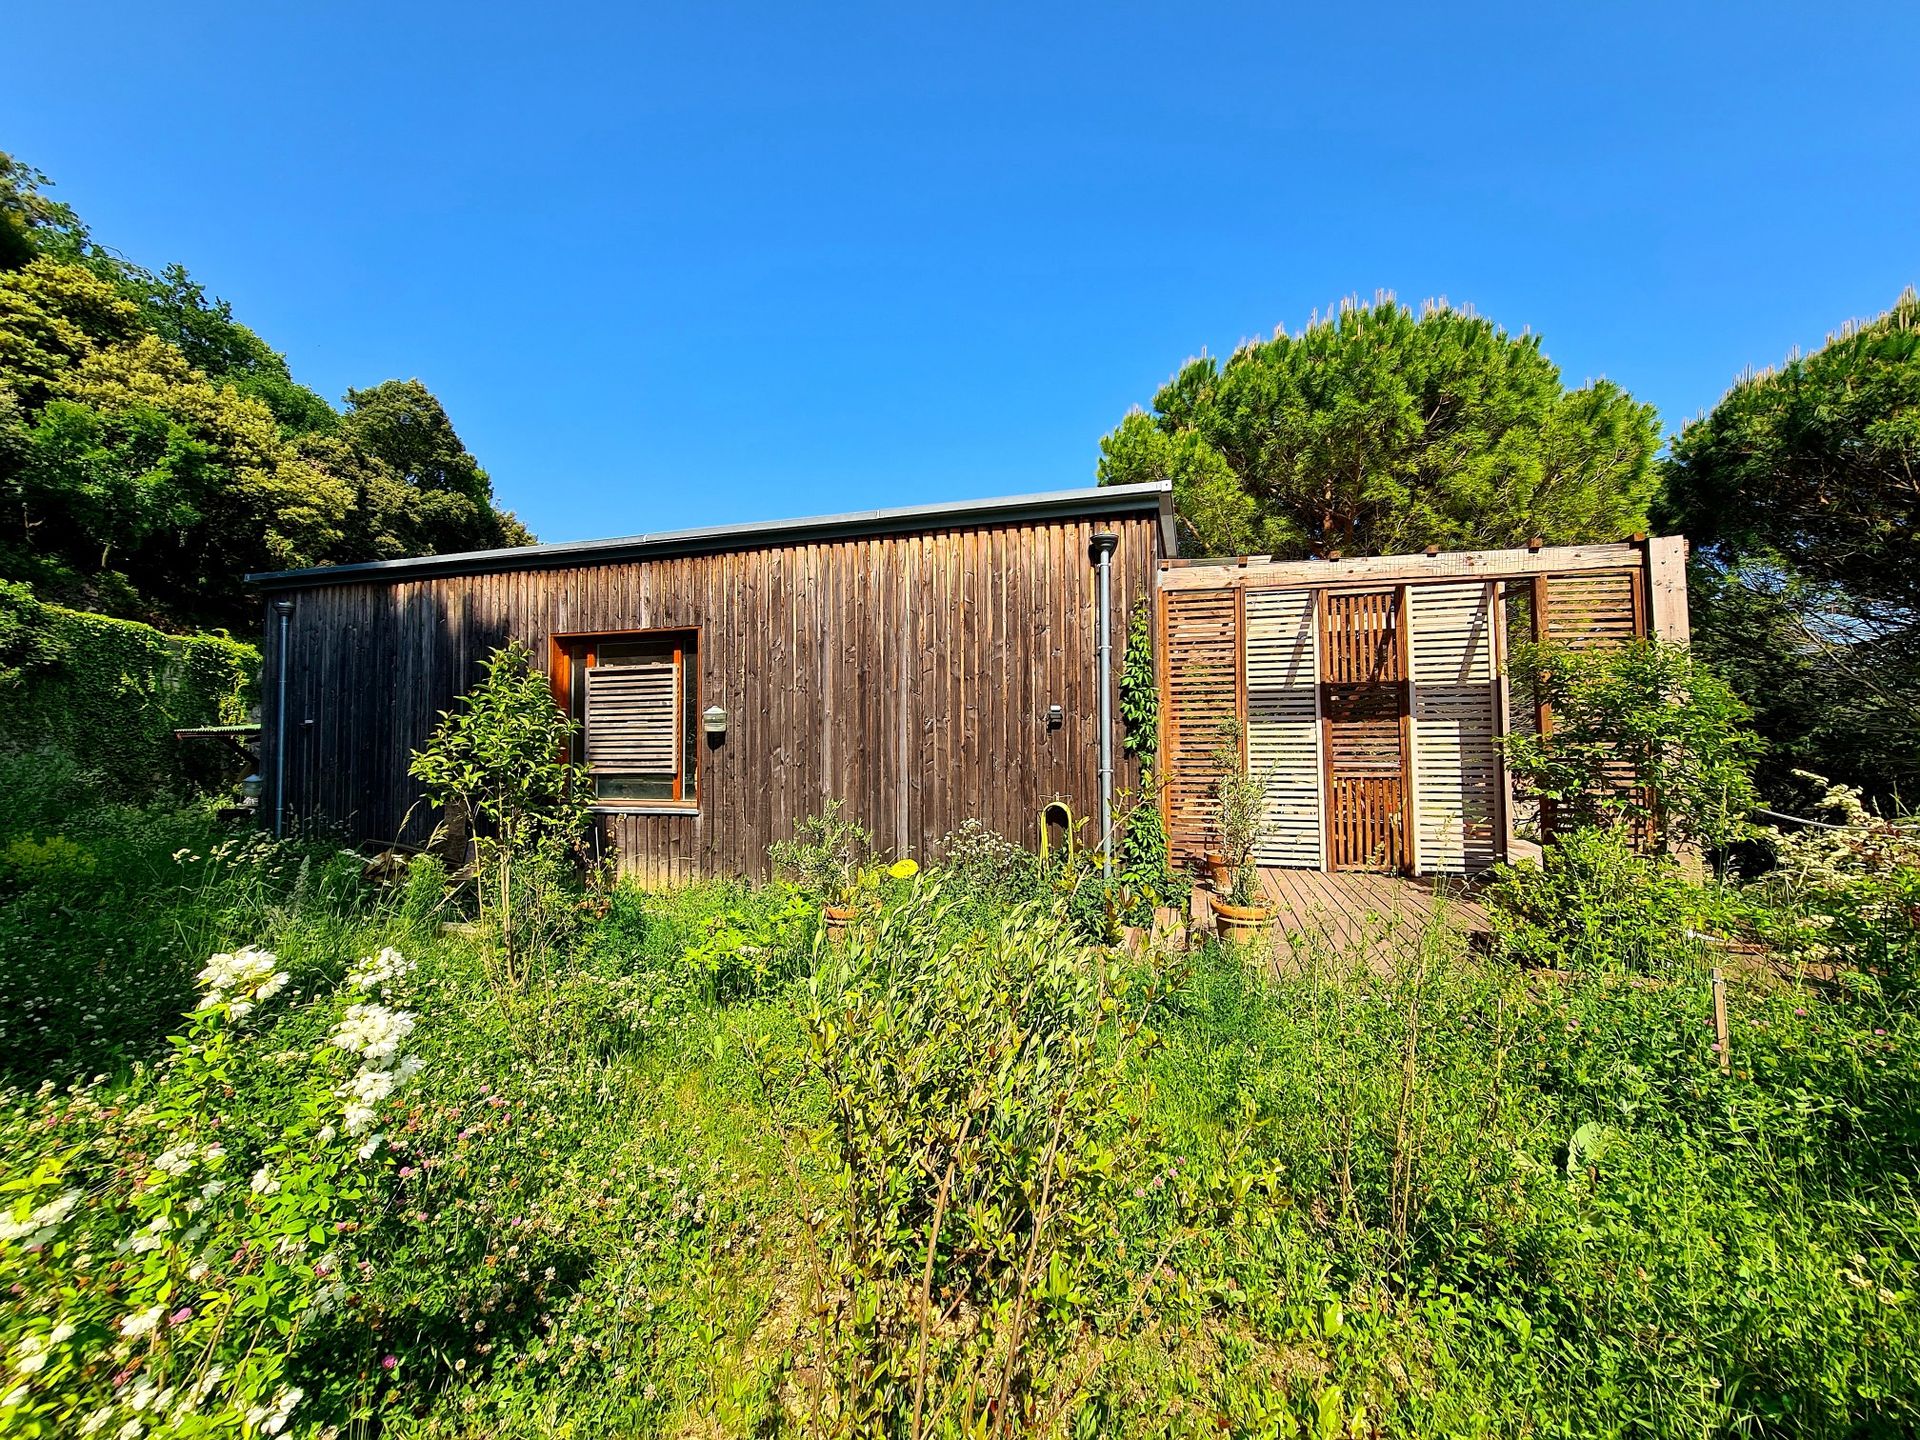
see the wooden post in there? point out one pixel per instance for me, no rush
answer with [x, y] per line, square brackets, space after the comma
[1720, 1019]
[1666, 588]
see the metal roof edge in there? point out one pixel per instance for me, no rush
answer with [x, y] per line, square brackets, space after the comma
[1094, 500]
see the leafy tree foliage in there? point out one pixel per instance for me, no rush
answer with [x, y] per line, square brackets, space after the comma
[153, 449]
[496, 766]
[1800, 491]
[1645, 737]
[1382, 431]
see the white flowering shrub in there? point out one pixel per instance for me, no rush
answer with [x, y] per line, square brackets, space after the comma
[164, 1250]
[1846, 889]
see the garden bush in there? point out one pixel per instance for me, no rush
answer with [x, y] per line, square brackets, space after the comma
[108, 694]
[687, 1175]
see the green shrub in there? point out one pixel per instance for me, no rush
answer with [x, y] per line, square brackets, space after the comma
[827, 856]
[30, 640]
[1593, 902]
[980, 1137]
[171, 1245]
[1644, 736]
[496, 763]
[110, 693]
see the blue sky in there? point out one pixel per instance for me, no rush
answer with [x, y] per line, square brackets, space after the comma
[708, 264]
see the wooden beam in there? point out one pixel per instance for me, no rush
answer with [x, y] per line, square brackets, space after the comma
[1402, 569]
[1666, 561]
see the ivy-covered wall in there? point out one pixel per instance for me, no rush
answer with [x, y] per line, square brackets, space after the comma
[111, 693]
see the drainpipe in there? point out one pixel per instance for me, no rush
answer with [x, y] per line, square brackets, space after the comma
[1105, 542]
[284, 609]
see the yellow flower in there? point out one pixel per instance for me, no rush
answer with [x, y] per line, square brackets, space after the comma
[903, 869]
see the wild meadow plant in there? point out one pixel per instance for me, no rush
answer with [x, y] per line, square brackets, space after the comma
[168, 1248]
[706, 1168]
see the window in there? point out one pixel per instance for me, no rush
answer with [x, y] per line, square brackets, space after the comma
[633, 697]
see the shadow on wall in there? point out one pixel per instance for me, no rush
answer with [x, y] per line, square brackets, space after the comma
[370, 669]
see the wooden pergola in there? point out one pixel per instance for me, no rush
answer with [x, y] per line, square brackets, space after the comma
[1371, 693]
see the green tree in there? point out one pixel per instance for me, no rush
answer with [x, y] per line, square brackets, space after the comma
[496, 764]
[1800, 491]
[153, 449]
[446, 499]
[1645, 737]
[1380, 431]
[31, 222]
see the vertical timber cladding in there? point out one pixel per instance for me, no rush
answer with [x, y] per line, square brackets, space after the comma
[1363, 709]
[1457, 781]
[1283, 723]
[906, 674]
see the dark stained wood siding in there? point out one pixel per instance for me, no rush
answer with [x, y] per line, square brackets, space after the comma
[908, 675]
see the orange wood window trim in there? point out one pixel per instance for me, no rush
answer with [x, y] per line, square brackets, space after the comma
[561, 646]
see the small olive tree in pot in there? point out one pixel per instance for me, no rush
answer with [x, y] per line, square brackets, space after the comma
[1239, 820]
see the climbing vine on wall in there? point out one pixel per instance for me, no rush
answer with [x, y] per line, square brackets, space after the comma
[111, 693]
[1143, 839]
[1139, 688]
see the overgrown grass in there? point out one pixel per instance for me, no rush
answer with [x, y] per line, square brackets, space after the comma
[683, 1178]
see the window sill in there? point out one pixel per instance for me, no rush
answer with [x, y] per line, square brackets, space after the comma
[644, 807]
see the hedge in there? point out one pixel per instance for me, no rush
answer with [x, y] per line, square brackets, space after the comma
[111, 692]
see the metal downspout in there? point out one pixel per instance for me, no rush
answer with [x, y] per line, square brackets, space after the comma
[1104, 544]
[283, 608]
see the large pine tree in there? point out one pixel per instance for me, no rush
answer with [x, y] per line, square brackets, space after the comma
[1379, 430]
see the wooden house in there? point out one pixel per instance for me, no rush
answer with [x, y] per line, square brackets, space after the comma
[926, 666]
[938, 664]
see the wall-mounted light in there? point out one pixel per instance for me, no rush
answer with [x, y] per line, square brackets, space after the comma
[713, 720]
[1056, 717]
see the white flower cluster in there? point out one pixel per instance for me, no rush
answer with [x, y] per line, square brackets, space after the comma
[144, 1403]
[272, 1419]
[375, 1033]
[178, 1160]
[38, 1225]
[377, 972]
[31, 1354]
[242, 980]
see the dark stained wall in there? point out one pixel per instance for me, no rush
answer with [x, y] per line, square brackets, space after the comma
[908, 675]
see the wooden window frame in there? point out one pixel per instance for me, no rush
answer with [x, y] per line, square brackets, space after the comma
[561, 646]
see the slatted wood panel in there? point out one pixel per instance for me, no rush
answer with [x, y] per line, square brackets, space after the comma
[907, 675]
[1200, 640]
[1586, 612]
[1363, 705]
[1283, 723]
[633, 718]
[1593, 612]
[1456, 765]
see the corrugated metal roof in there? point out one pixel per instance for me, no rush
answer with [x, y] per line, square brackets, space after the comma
[906, 519]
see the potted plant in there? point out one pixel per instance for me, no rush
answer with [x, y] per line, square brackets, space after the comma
[1219, 870]
[831, 860]
[1240, 910]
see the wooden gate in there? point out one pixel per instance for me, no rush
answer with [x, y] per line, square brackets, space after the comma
[1364, 715]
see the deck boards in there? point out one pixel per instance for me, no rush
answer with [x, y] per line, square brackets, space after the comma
[1347, 911]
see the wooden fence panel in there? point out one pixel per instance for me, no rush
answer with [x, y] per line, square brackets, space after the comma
[1456, 765]
[1283, 723]
[1200, 640]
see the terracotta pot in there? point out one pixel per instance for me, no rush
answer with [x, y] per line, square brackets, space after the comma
[1239, 924]
[1219, 871]
[838, 918]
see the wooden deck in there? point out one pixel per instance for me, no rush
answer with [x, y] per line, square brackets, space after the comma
[1351, 911]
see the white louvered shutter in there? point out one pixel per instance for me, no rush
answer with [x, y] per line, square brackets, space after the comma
[1283, 723]
[1456, 757]
[633, 718]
